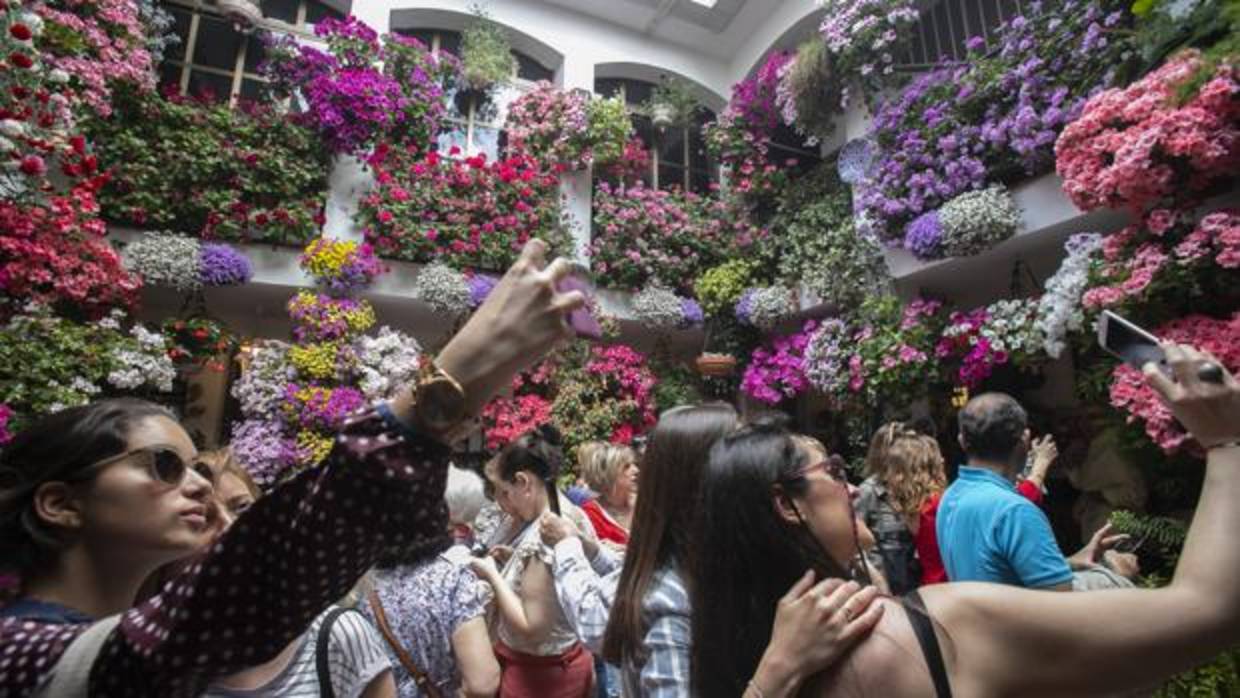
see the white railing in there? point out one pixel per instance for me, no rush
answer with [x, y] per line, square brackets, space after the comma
[946, 25]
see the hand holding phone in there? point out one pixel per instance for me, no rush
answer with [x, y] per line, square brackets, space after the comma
[581, 320]
[1127, 341]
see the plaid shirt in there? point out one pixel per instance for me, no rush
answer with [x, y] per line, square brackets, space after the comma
[586, 599]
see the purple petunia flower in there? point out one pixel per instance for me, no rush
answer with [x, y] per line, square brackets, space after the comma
[692, 312]
[924, 235]
[222, 265]
[743, 306]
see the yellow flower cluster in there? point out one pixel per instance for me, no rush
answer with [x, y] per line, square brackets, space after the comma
[314, 446]
[325, 257]
[325, 315]
[318, 360]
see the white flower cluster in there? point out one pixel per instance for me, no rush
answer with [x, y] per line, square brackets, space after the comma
[444, 289]
[975, 221]
[165, 259]
[767, 306]
[1011, 327]
[825, 357]
[658, 308]
[260, 389]
[1059, 311]
[386, 361]
[144, 363]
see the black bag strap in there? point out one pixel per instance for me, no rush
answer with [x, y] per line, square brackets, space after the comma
[924, 629]
[321, 648]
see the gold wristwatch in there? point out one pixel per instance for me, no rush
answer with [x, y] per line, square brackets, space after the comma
[438, 400]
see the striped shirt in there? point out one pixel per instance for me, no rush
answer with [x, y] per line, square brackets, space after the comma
[355, 656]
[586, 599]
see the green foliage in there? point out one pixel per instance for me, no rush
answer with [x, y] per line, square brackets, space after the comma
[609, 130]
[678, 385]
[1160, 533]
[486, 56]
[1218, 677]
[720, 287]
[815, 89]
[1166, 26]
[234, 174]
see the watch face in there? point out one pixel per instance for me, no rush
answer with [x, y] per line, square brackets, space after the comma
[440, 404]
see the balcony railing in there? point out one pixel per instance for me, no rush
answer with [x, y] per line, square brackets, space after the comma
[946, 25]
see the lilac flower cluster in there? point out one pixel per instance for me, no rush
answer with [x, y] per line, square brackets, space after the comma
[924, 235]
[222, 265]
[993, 118]
[263, 450]
[855, 161]
[692, 312]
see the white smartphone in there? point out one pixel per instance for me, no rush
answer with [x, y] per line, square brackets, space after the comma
[1133, 345]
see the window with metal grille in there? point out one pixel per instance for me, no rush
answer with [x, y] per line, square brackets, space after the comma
[946, 25]
[475, 122]
[678, 157]
[214, 59]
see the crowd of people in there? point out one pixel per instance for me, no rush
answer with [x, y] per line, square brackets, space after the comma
[724, 558]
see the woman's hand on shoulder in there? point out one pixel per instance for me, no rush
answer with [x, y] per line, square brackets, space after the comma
[815, 624]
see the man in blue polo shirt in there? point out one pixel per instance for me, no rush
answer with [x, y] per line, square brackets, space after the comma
[987, 531]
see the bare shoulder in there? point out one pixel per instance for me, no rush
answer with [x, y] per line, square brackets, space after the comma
[887, 663]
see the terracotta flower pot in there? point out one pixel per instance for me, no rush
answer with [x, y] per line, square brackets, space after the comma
[717, 365]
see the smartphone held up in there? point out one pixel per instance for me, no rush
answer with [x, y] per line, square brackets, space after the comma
[1137, 347]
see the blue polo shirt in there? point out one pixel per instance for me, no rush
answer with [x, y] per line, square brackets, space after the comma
[989, 533]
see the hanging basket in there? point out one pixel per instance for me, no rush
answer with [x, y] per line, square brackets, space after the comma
[662, 115]
[243, 12]
[716, 365]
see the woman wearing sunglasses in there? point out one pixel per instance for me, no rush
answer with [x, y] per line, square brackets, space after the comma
[768, 515]
[95, 498]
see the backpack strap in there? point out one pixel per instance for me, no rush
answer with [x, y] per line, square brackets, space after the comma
[321, 648]
[71, 674]
[424, 683]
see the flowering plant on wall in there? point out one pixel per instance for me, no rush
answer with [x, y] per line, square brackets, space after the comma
[199, 341]
[809, 92]
[764, 307]
[469, 213]
[993, 118]
[1168, 256]
[642, 236]
[863, 37]
[341, 267]
[245, 174]
[386, 362]
[610, 399]
[777, 372]
[975, 221]
[661, 309]
[1059, 311]
[444, 289]
[54, 362]
[550, 125]
[36, 118]
[363, 90]
[1130, 392]
[223, 265]
[984, 338]
[720, 287]
[740, 137]
[6, 414]
[1140, 146]
[97, 43]
[165, 259]
[819, 247]
[55, 254]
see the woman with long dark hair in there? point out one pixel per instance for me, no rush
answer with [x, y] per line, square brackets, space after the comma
[639, 615]
[93, 499]
[539, 654]
[767, 514]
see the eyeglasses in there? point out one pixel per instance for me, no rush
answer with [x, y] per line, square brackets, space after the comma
[164, 464]
[834, 469]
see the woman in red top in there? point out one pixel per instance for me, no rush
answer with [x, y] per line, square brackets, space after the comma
[611, 471]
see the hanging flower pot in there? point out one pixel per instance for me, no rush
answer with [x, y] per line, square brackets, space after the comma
[662, 114]
[716, 365]
[243, 12]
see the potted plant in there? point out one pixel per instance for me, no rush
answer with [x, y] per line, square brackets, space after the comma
[242, 12]
[726, 339]
[486, 55]
[671, 103]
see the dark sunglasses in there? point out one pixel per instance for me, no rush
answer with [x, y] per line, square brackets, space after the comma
[163, 464]
[833, 468]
